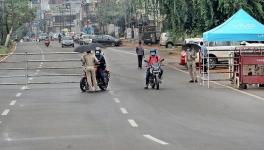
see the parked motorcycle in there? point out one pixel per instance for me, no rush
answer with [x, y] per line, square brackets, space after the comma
[84, 84]
[155, 70]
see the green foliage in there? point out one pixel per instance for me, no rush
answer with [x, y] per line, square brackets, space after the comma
[193, 17]
[185, 18]
[17, 12]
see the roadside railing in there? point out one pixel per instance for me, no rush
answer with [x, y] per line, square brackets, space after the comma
[28, 68]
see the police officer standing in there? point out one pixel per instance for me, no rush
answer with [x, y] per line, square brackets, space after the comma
[191, 63]
[89, 60]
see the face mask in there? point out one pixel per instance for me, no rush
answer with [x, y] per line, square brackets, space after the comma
[152, 53]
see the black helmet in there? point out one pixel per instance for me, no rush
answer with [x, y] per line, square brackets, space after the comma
[98, 51]
[88, 51]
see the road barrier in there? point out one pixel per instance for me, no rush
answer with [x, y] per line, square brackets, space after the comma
[232, 64]
[26, 68]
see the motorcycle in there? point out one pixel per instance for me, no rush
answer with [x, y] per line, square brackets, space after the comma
[155, 70]
[47, 43]
[84, 84]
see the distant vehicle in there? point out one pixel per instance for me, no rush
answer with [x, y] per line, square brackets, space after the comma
[86, 39]
[150, 34]
[42, 37]
[26, 38]
[167, 40]
[67, 41]
[107, 40]
[55, 36]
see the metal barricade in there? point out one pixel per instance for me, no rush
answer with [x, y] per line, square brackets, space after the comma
[26, 68]
[210, 58]
[231, 66]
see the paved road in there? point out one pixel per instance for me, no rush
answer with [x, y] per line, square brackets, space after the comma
[179, 116]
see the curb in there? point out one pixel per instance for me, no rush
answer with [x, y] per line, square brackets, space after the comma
[9, 54]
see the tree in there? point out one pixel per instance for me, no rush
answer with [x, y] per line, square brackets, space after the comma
[16, 14]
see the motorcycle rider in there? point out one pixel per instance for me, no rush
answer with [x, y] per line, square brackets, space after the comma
[101, 68]
[89, 61]
[152, 59]
[47, 41]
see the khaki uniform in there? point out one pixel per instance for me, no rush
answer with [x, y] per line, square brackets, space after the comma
[191, 64]
[89, 61]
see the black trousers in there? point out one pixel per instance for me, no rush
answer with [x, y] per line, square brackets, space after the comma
[140, 58]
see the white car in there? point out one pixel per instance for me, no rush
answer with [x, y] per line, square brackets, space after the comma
[67, 41]
[86, 39]
[220, 51]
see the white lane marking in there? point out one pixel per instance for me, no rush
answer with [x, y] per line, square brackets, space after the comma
[5, 112]
[226, 86]
[7, 138]
[41, 63]
[30, 79]
[112, 93]
[155, 139]
[18, 94]
[132, 123]
[23, 87]
[243, 92]
[12, 103]
[117, 100]
[120, 51]
[123, 110]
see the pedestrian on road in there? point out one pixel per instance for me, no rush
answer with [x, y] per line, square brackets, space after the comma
[140, 54]
[89, 61]
[191, 63]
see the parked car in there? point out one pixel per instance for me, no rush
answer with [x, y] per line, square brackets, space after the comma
[218, 51]
[107, 40]
[167, 40]
[86, 39]
[67, 41]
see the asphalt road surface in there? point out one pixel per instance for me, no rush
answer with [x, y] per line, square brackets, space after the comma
[179, 116]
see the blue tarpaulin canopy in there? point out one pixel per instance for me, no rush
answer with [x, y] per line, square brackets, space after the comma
[240, 27]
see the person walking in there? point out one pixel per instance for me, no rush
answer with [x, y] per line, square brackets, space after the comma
[89, 61]
[140, 54]
[191, 63]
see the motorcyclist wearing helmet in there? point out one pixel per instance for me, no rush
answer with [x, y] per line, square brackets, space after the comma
[152, 59]
[102, 64]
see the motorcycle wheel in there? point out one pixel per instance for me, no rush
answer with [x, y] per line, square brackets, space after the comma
[157, 83]
[104, 87]
[83, 84]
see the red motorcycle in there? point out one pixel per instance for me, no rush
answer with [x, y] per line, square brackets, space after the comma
[47, 43]
[84, 84]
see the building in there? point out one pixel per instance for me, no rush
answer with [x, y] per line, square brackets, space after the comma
[63, 15]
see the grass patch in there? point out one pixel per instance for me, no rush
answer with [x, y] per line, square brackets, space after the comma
[4, 50]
